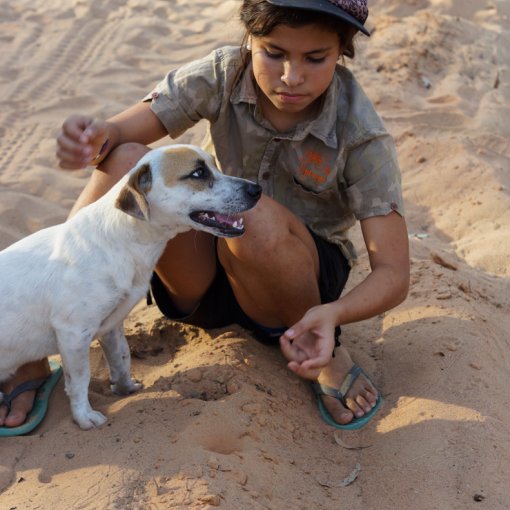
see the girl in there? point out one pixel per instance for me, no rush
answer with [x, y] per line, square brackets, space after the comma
[285, 114]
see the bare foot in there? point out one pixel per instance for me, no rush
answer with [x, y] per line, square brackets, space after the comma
[23, 403]
[361, 397]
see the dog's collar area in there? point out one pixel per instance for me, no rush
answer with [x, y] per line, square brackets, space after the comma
[229, 225]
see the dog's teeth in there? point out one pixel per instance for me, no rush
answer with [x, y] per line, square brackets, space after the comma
[238, 224]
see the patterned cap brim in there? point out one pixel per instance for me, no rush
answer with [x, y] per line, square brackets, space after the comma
[324, 6]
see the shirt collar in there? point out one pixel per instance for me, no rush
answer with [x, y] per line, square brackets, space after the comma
[244, 91]
[322, 127]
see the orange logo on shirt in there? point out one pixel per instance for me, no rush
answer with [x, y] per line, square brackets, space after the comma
[312, 165]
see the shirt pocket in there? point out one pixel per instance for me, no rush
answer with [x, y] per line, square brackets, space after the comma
[314, 205]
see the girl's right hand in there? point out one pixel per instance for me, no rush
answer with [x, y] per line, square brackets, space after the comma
[80, 142]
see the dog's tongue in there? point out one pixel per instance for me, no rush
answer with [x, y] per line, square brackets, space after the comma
[231, 221]
[223, 218]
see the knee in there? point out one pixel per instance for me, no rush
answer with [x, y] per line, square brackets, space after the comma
[270, 229]
[272, 234]
[122, 158]
[264, 230]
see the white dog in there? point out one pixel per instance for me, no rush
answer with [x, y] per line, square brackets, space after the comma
[69, 283]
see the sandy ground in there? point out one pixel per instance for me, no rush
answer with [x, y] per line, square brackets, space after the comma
[221, 422]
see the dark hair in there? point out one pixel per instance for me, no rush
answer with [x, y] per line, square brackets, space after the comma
[260, 18]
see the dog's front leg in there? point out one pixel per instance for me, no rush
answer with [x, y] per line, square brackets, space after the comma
[76, 363]
[117, 354]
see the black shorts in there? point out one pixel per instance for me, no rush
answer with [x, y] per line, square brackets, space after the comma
[219, 308]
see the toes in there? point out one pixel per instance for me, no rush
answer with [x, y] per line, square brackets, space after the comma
[363, 402]
[338, 412]
[363, 405]
[3, 414]
[23, 403]
[15, 418]
[20, 407]
[126, 388]
[356, 408]
[370, 397]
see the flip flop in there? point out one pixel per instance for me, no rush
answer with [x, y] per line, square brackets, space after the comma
[322, 389]
[36, 415]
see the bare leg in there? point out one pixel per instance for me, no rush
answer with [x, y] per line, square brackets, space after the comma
[187, 268]
[273, 270]
[274, 267]
[118, 163]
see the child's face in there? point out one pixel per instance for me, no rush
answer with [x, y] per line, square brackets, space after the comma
[293, 67]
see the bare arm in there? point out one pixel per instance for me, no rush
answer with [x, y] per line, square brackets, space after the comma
[85, 140]
[386, 286]
[136, 124]
[309, 343]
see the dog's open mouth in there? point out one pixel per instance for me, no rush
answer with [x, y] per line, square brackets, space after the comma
[226, 225]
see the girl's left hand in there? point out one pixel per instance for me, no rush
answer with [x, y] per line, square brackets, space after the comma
[309, 344]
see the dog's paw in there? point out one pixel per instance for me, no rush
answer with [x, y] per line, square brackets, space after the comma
[90, 420]
[125, 389]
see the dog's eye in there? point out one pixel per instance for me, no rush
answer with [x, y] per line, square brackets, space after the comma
[200, 173]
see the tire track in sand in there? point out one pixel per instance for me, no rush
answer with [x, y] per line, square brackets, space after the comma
[51, 71]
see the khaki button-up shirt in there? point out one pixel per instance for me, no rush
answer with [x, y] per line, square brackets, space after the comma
[330, 171]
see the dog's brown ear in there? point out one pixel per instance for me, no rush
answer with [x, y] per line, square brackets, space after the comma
[132, 198]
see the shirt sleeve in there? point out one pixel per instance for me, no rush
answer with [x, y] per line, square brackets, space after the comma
[373, 179]
[190, 93]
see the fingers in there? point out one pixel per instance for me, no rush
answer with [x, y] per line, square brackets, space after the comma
[294, 331]
[303, 371]
[304, 348]
[79, 141]
[308, 344]
[311, 324]
[95, 132]
[306, 361]
[290, 350]
[72, 154]
[311, 367]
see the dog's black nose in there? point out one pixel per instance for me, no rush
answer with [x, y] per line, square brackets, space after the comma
[254, 190]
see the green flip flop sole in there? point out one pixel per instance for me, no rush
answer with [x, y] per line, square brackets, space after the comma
[321, 390]
[38, 412]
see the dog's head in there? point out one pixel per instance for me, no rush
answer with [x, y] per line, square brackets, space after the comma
[179, 186]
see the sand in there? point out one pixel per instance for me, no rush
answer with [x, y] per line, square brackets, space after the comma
[221, 422]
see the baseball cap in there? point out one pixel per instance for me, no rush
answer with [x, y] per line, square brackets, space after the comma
[354, 12]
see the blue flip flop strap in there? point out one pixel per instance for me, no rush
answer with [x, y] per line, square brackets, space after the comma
[353, 374]
[339, 394]
[34, 384]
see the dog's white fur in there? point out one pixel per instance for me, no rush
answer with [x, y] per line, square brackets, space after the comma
[68, 284]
